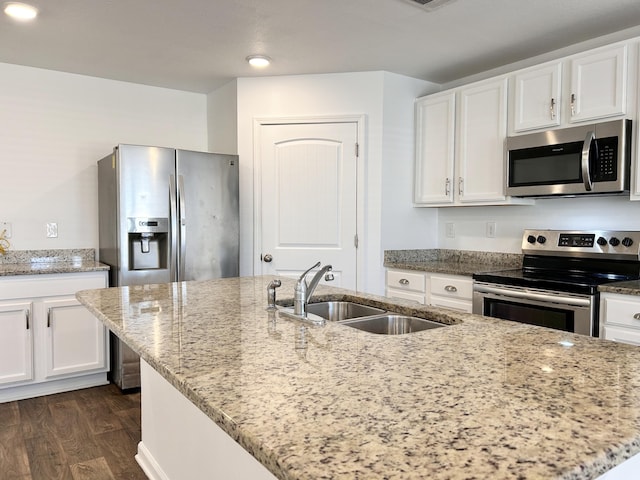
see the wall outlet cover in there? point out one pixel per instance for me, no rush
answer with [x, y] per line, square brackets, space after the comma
[6, 228]
[450, 230]
[52, 230]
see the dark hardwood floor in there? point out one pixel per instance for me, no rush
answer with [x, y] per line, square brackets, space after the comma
[86, 434]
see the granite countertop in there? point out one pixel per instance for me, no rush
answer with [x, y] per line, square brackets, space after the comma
[38, 262]
[480, 398]
[451, 262]
[631, 287]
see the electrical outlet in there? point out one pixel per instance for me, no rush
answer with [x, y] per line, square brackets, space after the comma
[6, 228]
[52, 230]
[450, 230]
[491, 229]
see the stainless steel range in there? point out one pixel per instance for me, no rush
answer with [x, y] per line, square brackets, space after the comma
[557, 286]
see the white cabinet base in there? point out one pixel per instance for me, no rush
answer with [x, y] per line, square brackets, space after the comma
[21, 392]
[179, 441]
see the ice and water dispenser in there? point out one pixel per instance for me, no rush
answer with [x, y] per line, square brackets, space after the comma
[148, 243]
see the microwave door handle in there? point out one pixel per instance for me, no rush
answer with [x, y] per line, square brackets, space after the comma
[586, 150]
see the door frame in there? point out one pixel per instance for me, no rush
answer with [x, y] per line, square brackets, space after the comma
[258, 124]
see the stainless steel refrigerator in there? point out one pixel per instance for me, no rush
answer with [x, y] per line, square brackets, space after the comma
[165, 215]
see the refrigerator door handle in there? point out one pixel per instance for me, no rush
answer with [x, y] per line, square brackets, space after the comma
[173, 212]
[183, 228]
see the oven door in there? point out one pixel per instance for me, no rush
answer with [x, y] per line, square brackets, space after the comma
[558, 310]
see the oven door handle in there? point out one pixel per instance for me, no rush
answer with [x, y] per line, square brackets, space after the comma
[529, 295]
[586, 153]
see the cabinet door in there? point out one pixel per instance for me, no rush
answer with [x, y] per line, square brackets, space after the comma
[75, 339]
[482, 130]
[598, 84]
[536, 98]
[16, 342]
[435, 141]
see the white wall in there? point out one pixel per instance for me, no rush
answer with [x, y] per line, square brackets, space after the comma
[222, 119]
[613, 213]
[403, 227]
[331, 95]
[55, 126]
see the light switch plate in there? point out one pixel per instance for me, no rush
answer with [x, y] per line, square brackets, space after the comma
[450, 230]
[491, 229]
[52, 230]
[6, 227]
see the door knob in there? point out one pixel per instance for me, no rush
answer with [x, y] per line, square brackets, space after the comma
[267, 258]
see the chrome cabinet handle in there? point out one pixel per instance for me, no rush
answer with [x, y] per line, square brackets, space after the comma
[403, 281]
[636, 316]
[447, 187]
[460, 185]
[573, 104]
[553, 108]
[26, 314]
[48, 317]
[451, 288]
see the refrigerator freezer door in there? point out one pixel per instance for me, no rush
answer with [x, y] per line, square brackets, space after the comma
[144, 182]
[209, 215]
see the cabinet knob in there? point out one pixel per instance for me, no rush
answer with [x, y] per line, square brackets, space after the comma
[403, 281]
[451, 288]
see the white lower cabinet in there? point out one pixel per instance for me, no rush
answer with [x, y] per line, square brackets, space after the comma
[406, 285]
[16, 342]
[452, 291]
[620, 318]
[440, 290]
[49, 342]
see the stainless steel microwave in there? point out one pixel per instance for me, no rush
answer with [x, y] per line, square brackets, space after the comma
[589, 159]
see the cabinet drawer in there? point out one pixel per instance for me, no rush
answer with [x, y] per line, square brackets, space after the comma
[401, 280]
[404, 295]
[452, 286]
[452, 303]
[620, 311]
[622, 335]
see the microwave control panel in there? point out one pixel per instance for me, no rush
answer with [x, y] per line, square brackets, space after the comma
[606, 160]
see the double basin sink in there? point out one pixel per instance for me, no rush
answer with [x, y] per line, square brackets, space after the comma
[370, 319]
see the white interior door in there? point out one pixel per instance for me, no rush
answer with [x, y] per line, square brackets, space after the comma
[308, 201]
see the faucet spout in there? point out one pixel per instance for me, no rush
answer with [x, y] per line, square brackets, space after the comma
[303, 292]
[316, 279]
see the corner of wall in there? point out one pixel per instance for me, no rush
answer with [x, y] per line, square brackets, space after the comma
[222, 119]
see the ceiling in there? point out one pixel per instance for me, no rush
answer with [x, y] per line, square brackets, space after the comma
[199, 45]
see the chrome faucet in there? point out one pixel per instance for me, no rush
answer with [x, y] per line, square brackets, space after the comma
[302, 293]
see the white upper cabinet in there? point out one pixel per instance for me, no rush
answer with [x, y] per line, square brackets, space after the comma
[598, 84]
[480, 137]
[580, 88]
[537, 97]
[435, 148]
[460, 137]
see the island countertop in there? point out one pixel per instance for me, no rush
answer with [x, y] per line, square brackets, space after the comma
[481, 398]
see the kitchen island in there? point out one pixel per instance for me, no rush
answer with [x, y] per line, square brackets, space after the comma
[479, 398]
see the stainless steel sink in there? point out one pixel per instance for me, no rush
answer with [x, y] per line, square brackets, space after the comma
[391, 324]
[336, 311]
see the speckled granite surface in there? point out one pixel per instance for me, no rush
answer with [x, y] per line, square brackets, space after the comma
[631, 287]
[453, 262]
[481, 398]
[36, 262]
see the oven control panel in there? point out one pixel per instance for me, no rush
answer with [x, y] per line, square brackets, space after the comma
[596, 243]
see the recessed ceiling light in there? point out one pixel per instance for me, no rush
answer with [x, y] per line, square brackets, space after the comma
[20, 11]
[259, 61]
